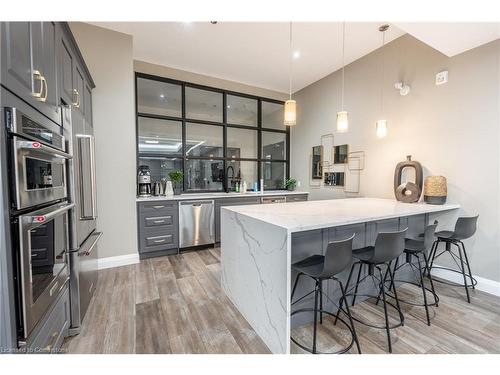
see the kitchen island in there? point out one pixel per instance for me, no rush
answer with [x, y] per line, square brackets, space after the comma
[260, 242]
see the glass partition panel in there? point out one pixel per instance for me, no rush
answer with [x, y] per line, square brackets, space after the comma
[204, 140]
[273, 115]
[273, 145]
[241, 143]
[203, 105]
[274, 175]
[204, 175]
[241, 111]
[159, 136]
[160, 167]
[159, 98]
[238, 172]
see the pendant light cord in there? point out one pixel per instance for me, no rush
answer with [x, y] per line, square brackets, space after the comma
[290, 62]
[382, 76]
[343, 63]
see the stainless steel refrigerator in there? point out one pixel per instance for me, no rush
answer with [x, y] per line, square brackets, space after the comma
[83, 235]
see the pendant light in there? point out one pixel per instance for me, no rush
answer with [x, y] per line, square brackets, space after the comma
[290, 105]
[342, 116]
[381, 125]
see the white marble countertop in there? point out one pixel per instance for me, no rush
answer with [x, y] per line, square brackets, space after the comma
[191, 196]
[310, 215]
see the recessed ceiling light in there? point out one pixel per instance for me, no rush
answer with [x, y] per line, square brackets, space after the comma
[296, 54]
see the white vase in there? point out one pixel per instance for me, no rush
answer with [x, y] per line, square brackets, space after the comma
[169, 190]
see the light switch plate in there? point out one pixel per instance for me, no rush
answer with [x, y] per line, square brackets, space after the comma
[441, 77]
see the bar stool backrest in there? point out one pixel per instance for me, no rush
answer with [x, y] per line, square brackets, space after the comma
[465, 227]
[429, 235]
[338, 257]
[388, 246]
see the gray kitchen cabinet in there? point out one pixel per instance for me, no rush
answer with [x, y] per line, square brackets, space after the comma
[66, 64]
[296, 198]
[50, 333]
[29, 64]
[87, 99]
[158, 228]
[16, 57]
[230, 202]
[44, 69]
[79, 88]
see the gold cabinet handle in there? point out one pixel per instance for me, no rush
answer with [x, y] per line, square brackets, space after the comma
[77, 102]
[46, 89]
[38, 76]
[159, 241]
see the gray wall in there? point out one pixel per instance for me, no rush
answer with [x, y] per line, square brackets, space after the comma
[182, 75]
[108, 55]
[453, 129]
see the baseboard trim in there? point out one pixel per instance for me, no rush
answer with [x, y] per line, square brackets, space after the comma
[484, 285]
[118, 261]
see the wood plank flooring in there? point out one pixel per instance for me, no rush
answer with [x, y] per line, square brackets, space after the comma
[175, 304]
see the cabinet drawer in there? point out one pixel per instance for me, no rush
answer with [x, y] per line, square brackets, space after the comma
[158, 241]
[158, 208]
[49, 335]
[158, 221]
[167, 239]
[296, 198]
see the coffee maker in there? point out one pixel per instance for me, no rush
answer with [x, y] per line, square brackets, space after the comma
[144, 181]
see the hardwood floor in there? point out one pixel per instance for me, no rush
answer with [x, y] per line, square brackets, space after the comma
[170, 304]
[175, 304]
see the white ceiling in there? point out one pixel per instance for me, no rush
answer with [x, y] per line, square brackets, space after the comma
[453, 38]
[256, 53]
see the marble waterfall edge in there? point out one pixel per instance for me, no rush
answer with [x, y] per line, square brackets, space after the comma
[255, 263]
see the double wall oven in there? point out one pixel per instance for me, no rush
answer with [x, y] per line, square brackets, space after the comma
[39, 211]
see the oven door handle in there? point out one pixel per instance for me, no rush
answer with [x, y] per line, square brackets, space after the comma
[40, 147]
[47, 217]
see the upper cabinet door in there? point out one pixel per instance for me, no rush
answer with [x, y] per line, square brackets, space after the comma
[29, 64]
[87, 99]
[79, 88]
[66, 66]
[16, 58]
[44, 69]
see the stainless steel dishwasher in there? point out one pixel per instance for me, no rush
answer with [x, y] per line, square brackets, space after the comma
[196, 223]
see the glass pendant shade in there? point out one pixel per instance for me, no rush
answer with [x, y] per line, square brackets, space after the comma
[381, 128]
[342, 122]
[290, 113]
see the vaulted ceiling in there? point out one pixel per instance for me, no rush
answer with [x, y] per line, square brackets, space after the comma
[257, 53]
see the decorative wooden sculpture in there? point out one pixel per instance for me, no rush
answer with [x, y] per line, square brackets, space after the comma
[408, 192]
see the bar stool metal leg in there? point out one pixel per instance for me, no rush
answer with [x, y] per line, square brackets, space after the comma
[357, 284]
[468, 264]
[351, 321]
[320, 301]
[386, 316]
[315, 328]
[347, 288]
[295, 285]
[436, 301]
[463, 272]
[423, 289]
[401, 316]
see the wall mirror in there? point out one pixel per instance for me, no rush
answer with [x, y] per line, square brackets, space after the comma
[340, 154]
[317, 163]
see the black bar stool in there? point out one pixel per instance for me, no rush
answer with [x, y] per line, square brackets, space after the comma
[337, 258]
[388, 247]
[416, 248]
[465, 227]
